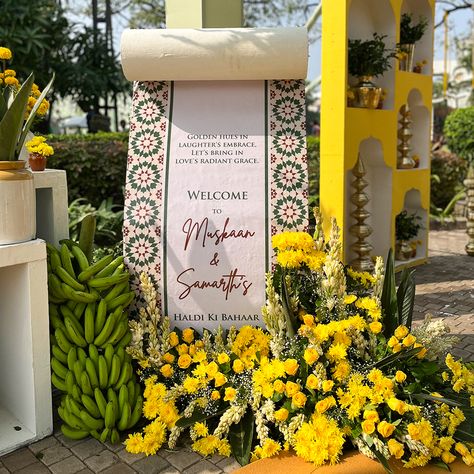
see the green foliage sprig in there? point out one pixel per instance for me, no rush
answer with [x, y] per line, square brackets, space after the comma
[458, 133]
[407, 225]
[370, 57]
[411, 33]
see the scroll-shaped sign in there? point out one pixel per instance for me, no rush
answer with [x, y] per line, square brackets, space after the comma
[215, 169]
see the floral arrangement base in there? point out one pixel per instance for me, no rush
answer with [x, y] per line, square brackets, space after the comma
[351, 463]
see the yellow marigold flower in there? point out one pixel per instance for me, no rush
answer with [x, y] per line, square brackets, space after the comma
[184, 361]
[293, 240]
[393, 341]
[5, 53]
[212, 369]
[401, 332]
[215, 395]
[395, 448]
[368, 426]
[327, 385]
[11, 81]
[219, 379]
[134, 442]
[223, 447]
[173, 339]
[230, 394]
[200, 429]
[337, 352]
[270, 448]
[279, 386]
[166, 370]
[281, 414]
[291, 389]
[349, 299]
[183, 349]
[375, 327]
[397, 405]
[298, 400]
[267, 390]
[340, 337]
[325, 404]
[308, 319]
[341, 370]
[10, 72]
[207, 445]
[191, 384]
[168, 358]
[188, 335]
[447, 457]
[312, 382]
[291, 366]
[223, 358]
[459, 385]
[409, 340]
[385, 429]
[400, 376]
[238, 366]
[371, 415]
[311, 355]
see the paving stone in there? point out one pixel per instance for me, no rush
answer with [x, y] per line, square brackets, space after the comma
[150, 465]
[85, 471]
[229, 465]
[119, 468]
[183, 459]
[54, 454]
[70, 465]
[101, 461]
[43, 444]
[202, 467]
[68, 442]
[87, 448]
[129, 458]
[35, 468]
[113, 447]
[3, 470]
[169, 470]
[19, 459]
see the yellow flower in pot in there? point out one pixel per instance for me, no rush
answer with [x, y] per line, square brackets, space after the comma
[39, 151]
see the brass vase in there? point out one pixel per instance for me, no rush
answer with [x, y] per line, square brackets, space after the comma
[404, 160]
[367, 93]
[406, 62]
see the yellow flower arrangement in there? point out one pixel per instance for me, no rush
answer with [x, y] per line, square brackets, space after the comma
[38, 146]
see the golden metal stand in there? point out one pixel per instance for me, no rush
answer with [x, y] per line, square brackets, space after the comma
[405, 161]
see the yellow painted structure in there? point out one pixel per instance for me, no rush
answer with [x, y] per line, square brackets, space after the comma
[204, 13]
[348, 131]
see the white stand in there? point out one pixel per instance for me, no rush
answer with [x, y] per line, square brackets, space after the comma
[52, 223]
[25, 387]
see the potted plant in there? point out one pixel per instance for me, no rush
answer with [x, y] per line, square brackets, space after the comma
[19, 105]
[369, 59]
[410, 34]
[39, 151]
[407, 227]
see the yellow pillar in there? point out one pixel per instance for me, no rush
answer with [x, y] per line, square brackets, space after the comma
[204, 13]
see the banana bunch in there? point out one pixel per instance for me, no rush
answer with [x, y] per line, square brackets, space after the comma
[88, 315]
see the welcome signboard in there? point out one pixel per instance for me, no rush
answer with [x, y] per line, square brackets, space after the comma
[215, 169]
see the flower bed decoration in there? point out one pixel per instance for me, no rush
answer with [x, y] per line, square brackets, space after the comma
[336, 366]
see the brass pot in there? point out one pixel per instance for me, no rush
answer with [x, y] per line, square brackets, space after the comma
[403, 250]
[406, 63]
[367, 93]
[17, 203]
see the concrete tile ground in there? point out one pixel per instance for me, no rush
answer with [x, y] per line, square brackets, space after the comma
[445, 288]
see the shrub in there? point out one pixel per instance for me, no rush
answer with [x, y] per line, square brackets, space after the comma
[411, 33]
[458, 133]
[95, 165]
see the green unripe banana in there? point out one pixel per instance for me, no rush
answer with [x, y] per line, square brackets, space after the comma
[69, 280]
[110, 268]
[66, 260]
[110, 415]
[89, 321]
[91, 372]
[106, 282]
[91, 406]
[58, 368]
[81, 258]
[59, 354]
[95, 268]
[101, 401]
[73, 433]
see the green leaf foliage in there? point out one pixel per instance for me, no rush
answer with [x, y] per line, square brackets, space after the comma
[241, 437]
[458, 133]
[197, 416]
[389, 297]
[406, 298]
[411, 32]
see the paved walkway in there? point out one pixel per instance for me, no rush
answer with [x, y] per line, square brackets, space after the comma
[445, 288]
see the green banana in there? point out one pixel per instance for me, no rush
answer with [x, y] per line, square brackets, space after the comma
[125, 375]
[56, 322]
[123, 300]
[110, 415]
[117, 290]
[79, 310]
[77, 369]
[76, 392]
[77, 325]
[104, 435]
[110, 268]
[125, 341]
[89, 321]
[112, 397]
[91, 372]
[80, 257]
[91, 406]
[66, 260]
[91, 422]
[58, 382]
[100, 316]
[53, 341]
[74, 421]
[103, 372]
[70, 381]
[118, 333]
[68, 279]
[86, 384]
[95, 268]
[62, 340]
[136, 412]
[56, 300]
[59, 354]
[71, 305]
[53, 310]
[65, 311]
[82, 356]
[126, 414]
[75, 336]
[95, 434]
[78, 296]
[55, 287]
[114, 370]
[108, 354]
[114, 436]
[106, 282]
[101, 401]
[132, 393]
[122, 397]
[109, 325]
[71, 357]
[54, 257]
[120, 351]
[73, 433]
[74, 406]
[58, 368]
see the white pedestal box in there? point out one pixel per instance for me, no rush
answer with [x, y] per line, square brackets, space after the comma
[52, 223]
[25, 380]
